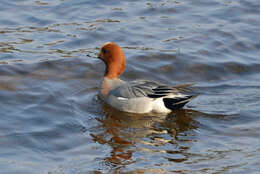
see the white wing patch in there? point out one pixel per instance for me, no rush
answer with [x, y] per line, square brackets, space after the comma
[121, 98]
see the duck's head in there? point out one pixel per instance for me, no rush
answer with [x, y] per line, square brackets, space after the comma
[114, 59]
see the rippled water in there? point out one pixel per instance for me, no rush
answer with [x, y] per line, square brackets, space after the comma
[51, 119]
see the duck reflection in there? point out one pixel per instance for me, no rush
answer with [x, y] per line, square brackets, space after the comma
[127, 133]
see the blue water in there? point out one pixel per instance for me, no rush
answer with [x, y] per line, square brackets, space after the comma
[52, 122]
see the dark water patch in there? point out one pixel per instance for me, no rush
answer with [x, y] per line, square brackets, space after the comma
[181, 67]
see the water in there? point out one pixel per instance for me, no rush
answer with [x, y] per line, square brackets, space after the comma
[52, 121]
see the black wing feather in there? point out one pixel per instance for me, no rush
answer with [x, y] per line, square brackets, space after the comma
[176, 103]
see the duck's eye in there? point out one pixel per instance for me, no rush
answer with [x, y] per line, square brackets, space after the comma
[104, 51]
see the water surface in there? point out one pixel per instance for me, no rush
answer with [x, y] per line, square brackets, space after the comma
[52, 121]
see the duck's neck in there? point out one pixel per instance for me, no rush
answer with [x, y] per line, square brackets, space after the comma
[111, 73]
[114, 69]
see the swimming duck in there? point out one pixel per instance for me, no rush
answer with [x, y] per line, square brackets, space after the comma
[139, 96]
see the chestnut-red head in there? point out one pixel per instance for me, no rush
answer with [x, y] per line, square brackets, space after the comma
[114, 59]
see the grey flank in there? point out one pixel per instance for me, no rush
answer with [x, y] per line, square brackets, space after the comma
[151, 89]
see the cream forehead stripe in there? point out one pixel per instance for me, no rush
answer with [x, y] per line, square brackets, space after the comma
[107, 43]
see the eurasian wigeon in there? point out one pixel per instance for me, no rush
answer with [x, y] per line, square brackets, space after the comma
[139, 96]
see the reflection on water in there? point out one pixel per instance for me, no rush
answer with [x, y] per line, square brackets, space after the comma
[128, 135]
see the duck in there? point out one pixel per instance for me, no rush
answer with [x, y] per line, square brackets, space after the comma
[138, 96]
